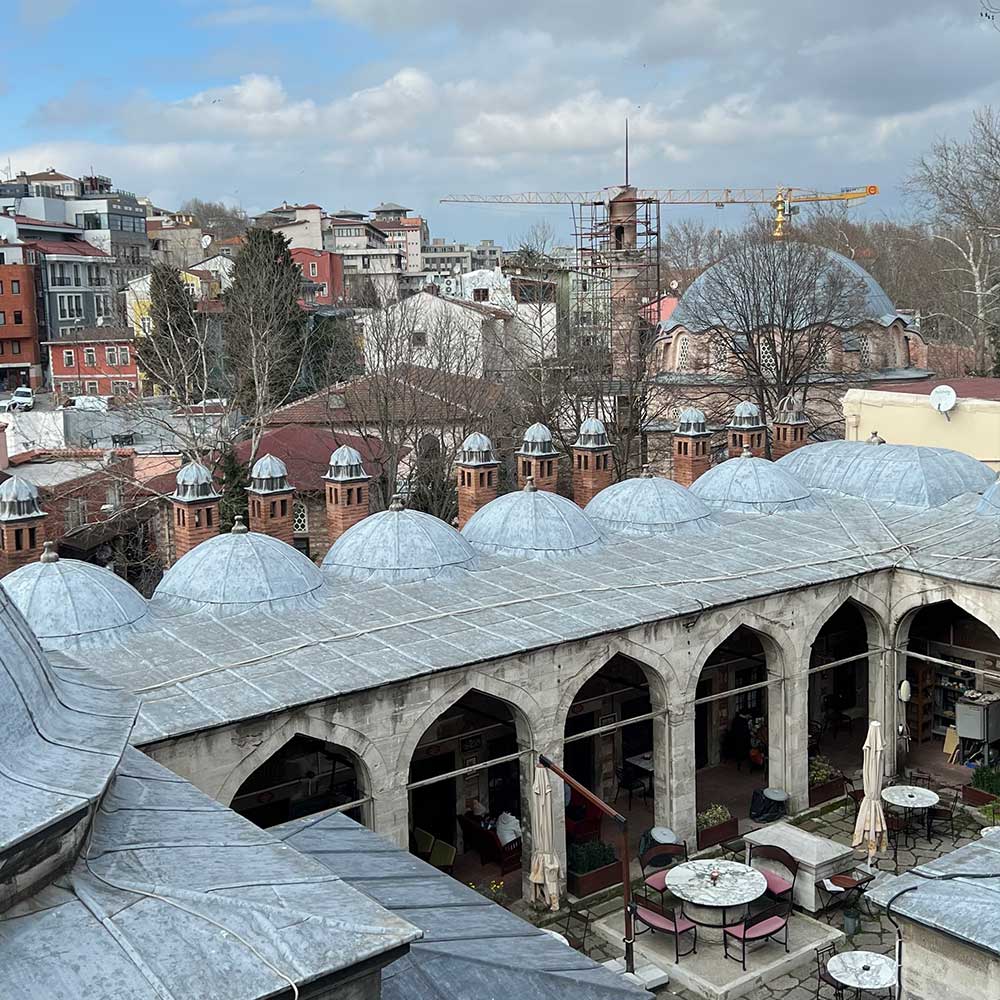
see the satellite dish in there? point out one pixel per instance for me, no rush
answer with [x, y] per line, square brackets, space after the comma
[675, 284]
[205, 241]
[943, 398]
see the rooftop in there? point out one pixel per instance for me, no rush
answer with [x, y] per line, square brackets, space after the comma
[965, 388]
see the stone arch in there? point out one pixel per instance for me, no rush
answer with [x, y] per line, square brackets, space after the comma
[656, 676]
[370, 763]
[904, 611]
[526, 712]
[875, 619]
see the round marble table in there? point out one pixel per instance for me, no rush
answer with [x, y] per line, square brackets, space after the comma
[989, 831]
[863, 970]
[910, 797]
[714, 905]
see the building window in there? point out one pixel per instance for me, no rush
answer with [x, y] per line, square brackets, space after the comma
[418, 338]
[18, 317]
[324, 289]
[121, 388]
[313, 269]
[90, 356]
[3, 318]
[90, 388]
[111, 355]
[682, 354]
[480, 295]
[146, 324]
[15, 347]
[76, 513]
[123, 357]
[69, 359]
[300, 518]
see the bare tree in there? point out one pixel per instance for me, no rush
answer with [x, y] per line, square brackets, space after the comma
[221, 219]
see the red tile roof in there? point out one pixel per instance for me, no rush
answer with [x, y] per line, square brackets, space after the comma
[965, 388]
[306, 452]
[76, 247]
[27, 220]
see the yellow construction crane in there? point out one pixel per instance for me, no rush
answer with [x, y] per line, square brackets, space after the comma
[784, 200]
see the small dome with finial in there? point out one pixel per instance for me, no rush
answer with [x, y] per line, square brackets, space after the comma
[477, 449]
[399, 546]
[746, 415]
[593, 434]
[194, 482]
[692, 421]
[18, 499]
[269, 475]
[649, 505]
[67, 600]
[752, 485]
[791, 410]
[345, 465]
[538, 441]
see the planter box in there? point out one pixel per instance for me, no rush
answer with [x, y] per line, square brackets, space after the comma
[713, 835]
[976, 796]
[594, 881]
[825, 791]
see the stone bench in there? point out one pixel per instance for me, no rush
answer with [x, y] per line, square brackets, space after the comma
[818, 858]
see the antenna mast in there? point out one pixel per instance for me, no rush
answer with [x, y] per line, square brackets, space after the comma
[626, 152]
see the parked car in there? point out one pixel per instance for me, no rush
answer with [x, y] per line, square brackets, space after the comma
[22, 398]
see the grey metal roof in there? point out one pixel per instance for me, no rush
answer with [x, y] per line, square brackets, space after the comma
[69, 598]
[963, 908]
[399, 546]
[175, 896]
[889, 474]
[62, 732]
[532, 524]
[694, 310]
[471, 948]
[649, 505]
[237, 570]
[752, 485]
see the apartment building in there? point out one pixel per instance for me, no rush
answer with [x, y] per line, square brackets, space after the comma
[20, 351]
[97, 361]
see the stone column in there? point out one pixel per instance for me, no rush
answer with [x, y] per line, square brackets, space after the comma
[680, 775]
[390, 812]
[788, 756]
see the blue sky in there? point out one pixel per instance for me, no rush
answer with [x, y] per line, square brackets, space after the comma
[349, 102]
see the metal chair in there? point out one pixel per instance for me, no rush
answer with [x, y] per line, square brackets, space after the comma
[577, 911]
[423, 843]
[944, 811]
[823, 977]
[777, 885]
[854, 795]
[668, 922]
[658, 860]
[630, 781]
[763, 926]
[443, 856]
[852, 886]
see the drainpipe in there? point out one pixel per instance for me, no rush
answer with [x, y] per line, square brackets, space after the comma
[622, 822]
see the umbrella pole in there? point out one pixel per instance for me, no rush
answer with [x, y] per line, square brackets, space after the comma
[623, 852]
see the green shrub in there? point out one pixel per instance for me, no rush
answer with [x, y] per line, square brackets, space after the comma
[583, 858]
[713, 816]
[821, 771]
[987, 779]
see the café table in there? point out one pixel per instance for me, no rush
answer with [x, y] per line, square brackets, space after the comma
[863, 971]
[643, 762]
[715, 902]
[911, 799]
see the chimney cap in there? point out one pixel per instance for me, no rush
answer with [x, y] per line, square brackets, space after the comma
[345, 465]
[269, 475]
[593, 434]
[194, 482]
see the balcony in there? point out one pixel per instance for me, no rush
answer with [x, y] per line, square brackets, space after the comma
[61, 282]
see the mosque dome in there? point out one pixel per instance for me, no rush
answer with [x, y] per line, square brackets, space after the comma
[194, 482]
[477, 449]
[345, 464]
[696, 310]
[538, 441]
[66, 599]
[989, 503]
[752, 485]
[532, 524]
[399, 546]
[593, 434]
[236, 570]
[906, 474]
[648, 505]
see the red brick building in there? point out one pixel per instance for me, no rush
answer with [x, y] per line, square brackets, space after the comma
[323, 269]
[96, 361]
[20, 353]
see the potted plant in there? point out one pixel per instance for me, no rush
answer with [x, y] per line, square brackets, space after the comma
[985, 787]
[715, 825]
[493, 890]
[591, 866]
[825, 781]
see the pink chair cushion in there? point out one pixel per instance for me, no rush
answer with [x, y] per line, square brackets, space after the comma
[765, 928]
[657, 881]
[775, 883]
[661, 923]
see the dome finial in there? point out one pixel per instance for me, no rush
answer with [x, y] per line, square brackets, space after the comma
[397, 502]
[645, 474]
[49, 554]
[746, 453]
[239, 526]
[529, 485]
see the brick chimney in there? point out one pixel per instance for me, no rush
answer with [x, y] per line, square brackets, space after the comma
[22, 524]
[4, 456]
[592, 468]
[477, 471]
[692, 447]
[347, 491]
[195, 506]
[270, 497]
[538, 458]
[791, 426]
[746, 430]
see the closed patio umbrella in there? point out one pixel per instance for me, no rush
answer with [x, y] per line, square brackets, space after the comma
[544, 863]
[870, 826]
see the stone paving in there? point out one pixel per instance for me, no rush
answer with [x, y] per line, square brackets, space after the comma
[875, 932]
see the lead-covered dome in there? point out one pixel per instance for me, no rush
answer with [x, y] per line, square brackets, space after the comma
[477, 449]
[236, 571]
[18, 499]
[989, 503]
[399, 546]
[746, 414]
[269, 475]
[532, 524]
[345, 465]
[752, 485]
[649, 505]
[66, 600]
[194, 482]
[593, 434]
[906, 474]
[538, 441]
